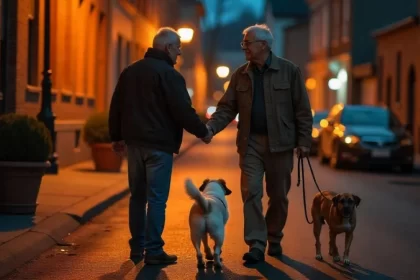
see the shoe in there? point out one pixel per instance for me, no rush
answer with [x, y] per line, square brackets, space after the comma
[254, 256]
[275, 249]
[136, 257]
[160, 259]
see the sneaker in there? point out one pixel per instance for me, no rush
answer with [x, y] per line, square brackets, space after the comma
[275, 249]
[254, 256]
[160, 259]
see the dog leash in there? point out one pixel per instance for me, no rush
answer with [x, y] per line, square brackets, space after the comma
[301, 175]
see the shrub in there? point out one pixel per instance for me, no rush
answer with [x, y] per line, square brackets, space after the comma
[24, 138]
[96, 129]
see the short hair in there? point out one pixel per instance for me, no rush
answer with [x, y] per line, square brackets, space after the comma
[165, 36]
[262, 32]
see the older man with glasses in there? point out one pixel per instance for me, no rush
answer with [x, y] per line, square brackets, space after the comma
[275, 116]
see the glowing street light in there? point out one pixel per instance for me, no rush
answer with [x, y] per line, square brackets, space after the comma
[310, 83]
[222, 71]
[334, 84]
[186, 34]
[225, 85]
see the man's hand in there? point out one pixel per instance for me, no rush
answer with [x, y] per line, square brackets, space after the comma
[119, 148]
[303, 151]
[209, 135]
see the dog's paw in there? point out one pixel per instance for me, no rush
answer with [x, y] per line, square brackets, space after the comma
[346, 261]
[318, 257]
[336, 258]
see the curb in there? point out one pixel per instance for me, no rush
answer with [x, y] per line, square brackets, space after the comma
[52, 230]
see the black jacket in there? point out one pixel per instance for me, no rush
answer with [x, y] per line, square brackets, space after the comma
[150, 106]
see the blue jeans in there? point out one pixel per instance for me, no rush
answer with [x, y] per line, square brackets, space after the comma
[149, 177]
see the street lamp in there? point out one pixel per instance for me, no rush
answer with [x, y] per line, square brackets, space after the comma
[186, 34]
[334, 84]
[226, 85]
[46, 114]
[222, 71]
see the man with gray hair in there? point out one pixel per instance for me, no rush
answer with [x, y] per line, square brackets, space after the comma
[275, 117]
[150, 108]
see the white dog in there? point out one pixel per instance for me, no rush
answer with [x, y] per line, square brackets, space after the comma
[208, 215]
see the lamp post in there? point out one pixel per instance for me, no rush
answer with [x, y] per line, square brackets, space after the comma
[46, 114]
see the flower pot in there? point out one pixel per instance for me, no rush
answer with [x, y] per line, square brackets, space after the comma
[19, 186]
[105, 159]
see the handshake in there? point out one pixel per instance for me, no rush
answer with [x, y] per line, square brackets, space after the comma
[209, 135]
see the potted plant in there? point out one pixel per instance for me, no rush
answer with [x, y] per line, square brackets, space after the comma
[96, 135]
[25, 145]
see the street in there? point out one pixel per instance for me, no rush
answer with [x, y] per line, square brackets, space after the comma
[386, 243]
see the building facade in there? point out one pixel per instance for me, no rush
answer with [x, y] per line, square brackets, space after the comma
[280, 15]
[329, 47]
[91, 41]
[343, 60]
[296, 45]
[398, 72]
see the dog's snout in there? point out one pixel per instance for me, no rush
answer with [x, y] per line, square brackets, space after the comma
[347, 210]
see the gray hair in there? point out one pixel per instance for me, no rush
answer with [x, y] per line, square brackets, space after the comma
[165, 36]
[262, 32]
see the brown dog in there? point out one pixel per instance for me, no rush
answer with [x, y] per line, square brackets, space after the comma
[339, 211]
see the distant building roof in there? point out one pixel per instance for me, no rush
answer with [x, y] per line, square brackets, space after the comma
[289, 8]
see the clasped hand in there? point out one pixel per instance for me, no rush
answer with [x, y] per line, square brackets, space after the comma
[209, 135]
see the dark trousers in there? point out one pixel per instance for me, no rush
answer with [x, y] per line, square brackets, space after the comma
[149, 176]
[277, 168]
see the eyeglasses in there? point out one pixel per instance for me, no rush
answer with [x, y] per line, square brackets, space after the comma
[247, 43]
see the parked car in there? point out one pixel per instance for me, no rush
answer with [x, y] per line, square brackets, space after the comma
[316, 129]
[365, 135]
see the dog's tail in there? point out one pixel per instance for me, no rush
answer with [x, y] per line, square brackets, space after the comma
[195, 194]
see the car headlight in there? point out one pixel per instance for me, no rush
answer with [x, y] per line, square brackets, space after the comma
[315, 132]
[351, 139]
[406, 142]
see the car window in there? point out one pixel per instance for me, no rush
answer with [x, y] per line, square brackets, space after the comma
[366, 116]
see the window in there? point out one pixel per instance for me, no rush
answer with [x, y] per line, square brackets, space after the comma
[346, 10]
[325, 26]
[312, 34]
[128, 53]
[119, 55]
[335, 22]
[380, 63]
[3, 16]
[398, 81]
[388, 91]
[33, 43]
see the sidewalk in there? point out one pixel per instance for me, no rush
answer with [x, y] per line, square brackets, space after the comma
[66, 201]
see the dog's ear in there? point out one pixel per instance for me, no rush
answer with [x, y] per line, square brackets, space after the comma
[357, 200]
[203, 185]
[225, 188]
[335, 200]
